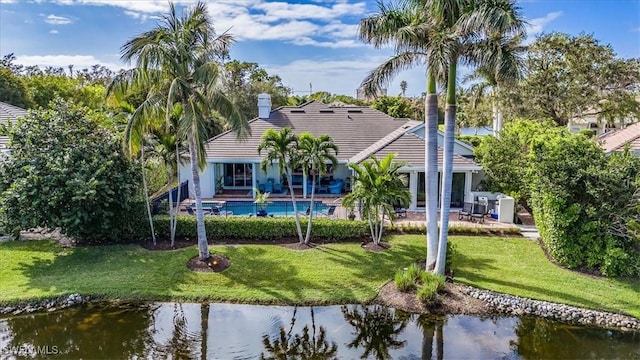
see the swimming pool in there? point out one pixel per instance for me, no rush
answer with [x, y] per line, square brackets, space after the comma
[275, 208]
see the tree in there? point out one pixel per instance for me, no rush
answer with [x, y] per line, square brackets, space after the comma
[505, 160]
[68, 172]
[575, 76]
[280, 147]
[376, 330]
[394, 106]
[403, 87]
[314, 153]
[245, 80]
[45, 87]
[378, 186]
[469, 31]
[409, 29]
[13, 90]
[177, 60]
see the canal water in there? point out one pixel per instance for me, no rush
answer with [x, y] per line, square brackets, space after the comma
[230, 331]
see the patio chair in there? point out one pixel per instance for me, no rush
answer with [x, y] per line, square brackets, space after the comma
[306, 213]
[399, 210]
[277, 188]
[479, 211]
[216, 211]
[467, 209]
[268, 187]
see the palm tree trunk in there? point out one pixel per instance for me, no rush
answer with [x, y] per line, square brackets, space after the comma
[171, 216]
[313, 191]
[431, 173]
[204, 328]
[203, 247]
[381, 226]
[174, 216]
[146, 195]
[447, 168]
[287, 172]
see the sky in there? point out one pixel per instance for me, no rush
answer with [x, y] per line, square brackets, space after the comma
[312, 45]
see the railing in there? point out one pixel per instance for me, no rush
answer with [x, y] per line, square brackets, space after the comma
[157, 203]
[275, 209]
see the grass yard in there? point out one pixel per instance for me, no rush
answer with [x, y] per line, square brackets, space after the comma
[336, 273]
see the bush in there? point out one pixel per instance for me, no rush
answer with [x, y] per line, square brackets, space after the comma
[431, 286]
[260, 229]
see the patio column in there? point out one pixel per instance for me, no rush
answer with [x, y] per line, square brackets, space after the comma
[254, 184]
[468, 177]
[413, 187]
[213, 176]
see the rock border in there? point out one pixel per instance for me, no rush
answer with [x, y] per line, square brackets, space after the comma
[46, 305]
[515, 305]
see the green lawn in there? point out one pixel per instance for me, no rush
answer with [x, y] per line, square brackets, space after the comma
[337, 273]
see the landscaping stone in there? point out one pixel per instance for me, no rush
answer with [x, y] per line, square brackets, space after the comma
[514, 305]
[45, 305]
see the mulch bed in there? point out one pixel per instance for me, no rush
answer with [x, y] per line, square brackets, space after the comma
[370, 246]
[216, 263]
[451, 301]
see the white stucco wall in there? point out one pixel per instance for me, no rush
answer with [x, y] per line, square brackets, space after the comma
[207, 180]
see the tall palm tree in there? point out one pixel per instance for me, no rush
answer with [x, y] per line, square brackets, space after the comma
[378, 186]
[280, 147]
[314, 154]
[403, 87]
[179, 61]
[469, 31]
[408, 27]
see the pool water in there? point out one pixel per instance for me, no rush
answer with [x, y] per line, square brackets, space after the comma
[275, 208]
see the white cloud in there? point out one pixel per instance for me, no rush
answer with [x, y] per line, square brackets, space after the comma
[78, 61]
[328, 44]
[57, 20]
[276, 11]
[53, 31]
[537, 25]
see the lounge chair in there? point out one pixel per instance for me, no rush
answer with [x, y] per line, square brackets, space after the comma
[329, 212]
[306, 213]
[467, 209]
[192, 211]
[216, 211]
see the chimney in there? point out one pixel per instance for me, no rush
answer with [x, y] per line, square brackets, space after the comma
[264, 105]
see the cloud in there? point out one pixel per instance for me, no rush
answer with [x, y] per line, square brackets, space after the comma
[537, 25]
[57, 20]
[328, 44]
[53, 31]
[78, 61]
[276, 11]
[635, 29]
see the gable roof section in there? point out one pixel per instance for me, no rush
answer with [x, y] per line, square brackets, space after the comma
[353, 129]
[409, 148]
[616, 140]
[8, 113]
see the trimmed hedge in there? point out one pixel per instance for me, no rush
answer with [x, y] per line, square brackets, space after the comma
[408, 228]
[245, 228]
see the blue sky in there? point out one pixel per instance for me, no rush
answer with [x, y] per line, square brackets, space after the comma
[305, 42]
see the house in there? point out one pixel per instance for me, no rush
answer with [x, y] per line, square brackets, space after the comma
[617, 140]
[359, 132]
[8, 113]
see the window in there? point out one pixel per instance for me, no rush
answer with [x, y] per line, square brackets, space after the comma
[238, 175]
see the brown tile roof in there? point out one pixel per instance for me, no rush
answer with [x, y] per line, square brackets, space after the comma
[615, 141]
[353, 129]
[410, 148]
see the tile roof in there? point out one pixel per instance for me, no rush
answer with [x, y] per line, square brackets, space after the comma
[9, 113]
[353, 129]
[616, 140]
[409, 148]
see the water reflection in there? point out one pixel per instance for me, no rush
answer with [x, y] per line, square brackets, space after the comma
[227, 331]
[296, 346]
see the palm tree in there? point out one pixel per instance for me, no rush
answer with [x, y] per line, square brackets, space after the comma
[378, 186]
[469, 31]
[509, 51]
[376, 330]
[411, 31]
[178, 61]
[403, 87]
[314, 154]
[281, 148]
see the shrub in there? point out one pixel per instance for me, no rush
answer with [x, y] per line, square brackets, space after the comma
[403, 282]
[260, 229]
[431, 286]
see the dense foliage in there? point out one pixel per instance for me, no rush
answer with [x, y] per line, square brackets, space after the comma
[68, 172]
[583, 200]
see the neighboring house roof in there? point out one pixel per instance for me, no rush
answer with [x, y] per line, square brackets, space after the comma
[8, 113]
[352, 129]
[616, 140]
[409, 148]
